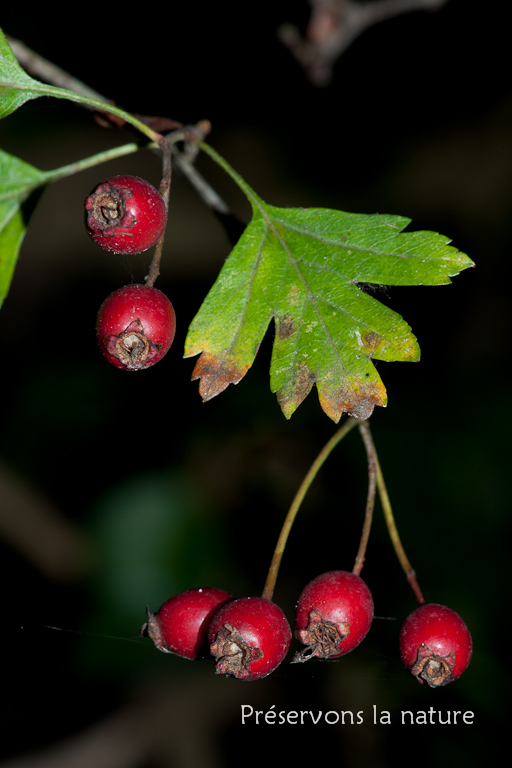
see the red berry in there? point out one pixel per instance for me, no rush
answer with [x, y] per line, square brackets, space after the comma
[125, 214]
[135, 327]
[334, 614]
[181, 624]
[249, 638]
[435, 644]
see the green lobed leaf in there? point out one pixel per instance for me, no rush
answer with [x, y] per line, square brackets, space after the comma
[18, 182]
[16, 87]
[302, 268]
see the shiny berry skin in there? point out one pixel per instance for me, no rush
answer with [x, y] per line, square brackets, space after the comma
[333, 615]
[249, 638]
[135, 327]
[435, 644]
[125, 214]
[181, 623]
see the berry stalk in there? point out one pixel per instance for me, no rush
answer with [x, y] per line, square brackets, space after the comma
[388, 514]
[370, 500]
[166, 144]
[268, 590]
[164, 190]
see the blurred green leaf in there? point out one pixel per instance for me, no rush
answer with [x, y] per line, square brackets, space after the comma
[155, 537]
[18, 182]
[16, 87]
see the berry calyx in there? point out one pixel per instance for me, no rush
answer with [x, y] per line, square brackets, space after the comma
[125, 214]
[249, 638]
[333, 615]
[181, 623]
[435, 644]
[135, 327]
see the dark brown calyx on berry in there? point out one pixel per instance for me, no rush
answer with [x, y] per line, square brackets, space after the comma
[434, 670]
[321, 637]
[153, 629]
[106, 209]
[132, 347]
[232, 654]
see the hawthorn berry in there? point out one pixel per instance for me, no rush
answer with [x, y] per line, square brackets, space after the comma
[333, 615]
[435, 644]
[249, 638]
[125, 214]
[135, 327]
[181, 623]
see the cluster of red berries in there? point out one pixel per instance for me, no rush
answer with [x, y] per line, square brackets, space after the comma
[250, 637]
[136, 324]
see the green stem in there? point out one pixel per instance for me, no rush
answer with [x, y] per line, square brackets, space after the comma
[102, 106]
[268, 590]
[246, 189]
[93, 160]
[390, 519]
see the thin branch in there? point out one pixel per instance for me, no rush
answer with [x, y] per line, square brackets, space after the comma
[45, 70]
[334, 25]
[204, 190]
[184, 159]
[31, 525]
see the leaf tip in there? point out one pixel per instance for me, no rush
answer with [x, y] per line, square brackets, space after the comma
[295, 392]
[355, 401]
[215, 374]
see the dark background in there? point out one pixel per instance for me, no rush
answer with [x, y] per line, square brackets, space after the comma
[122, 490]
